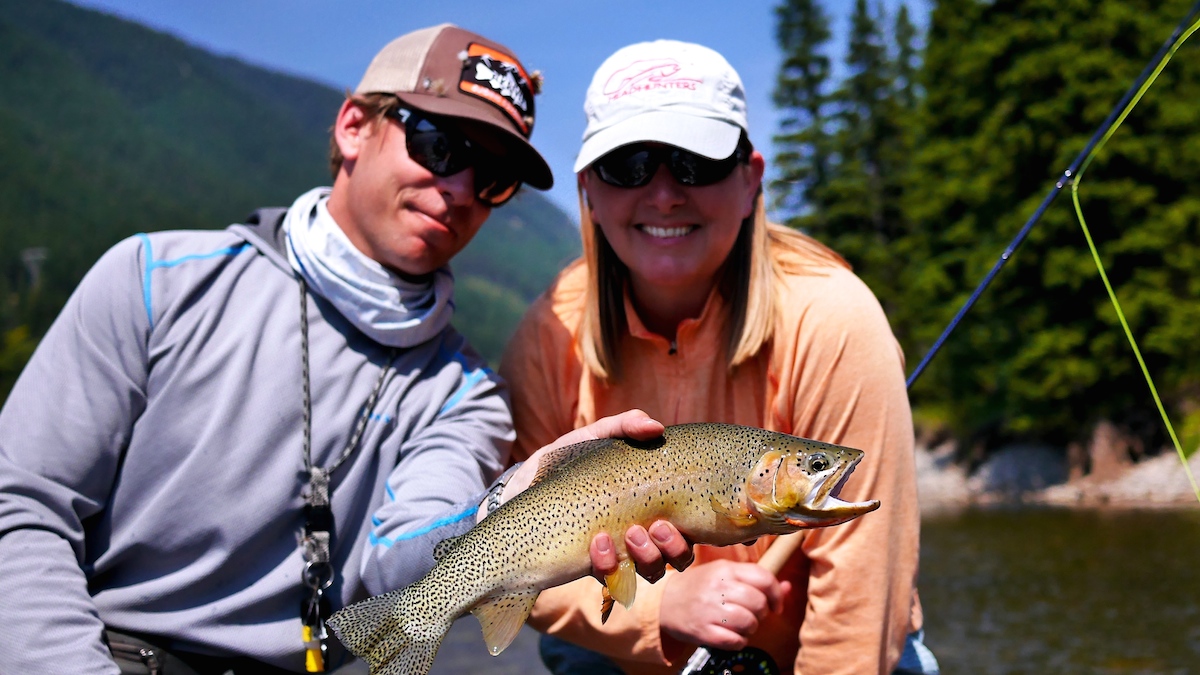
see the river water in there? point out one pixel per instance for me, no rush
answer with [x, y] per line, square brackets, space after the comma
[1059, 591]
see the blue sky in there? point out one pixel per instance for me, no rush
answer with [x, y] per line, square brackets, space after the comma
[332, 42]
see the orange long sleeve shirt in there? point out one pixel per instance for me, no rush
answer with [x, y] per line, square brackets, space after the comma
[834, 372]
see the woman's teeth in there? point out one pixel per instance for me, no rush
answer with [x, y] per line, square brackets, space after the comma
[666, 232]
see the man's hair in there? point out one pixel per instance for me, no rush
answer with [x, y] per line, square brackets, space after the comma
[763, 253]
[375, 106]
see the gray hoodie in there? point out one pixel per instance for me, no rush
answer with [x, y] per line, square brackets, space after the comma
[151, 468]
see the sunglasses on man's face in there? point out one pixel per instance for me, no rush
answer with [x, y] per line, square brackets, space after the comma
[441, 148]
[634, 165]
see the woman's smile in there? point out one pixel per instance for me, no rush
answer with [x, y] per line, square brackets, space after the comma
[666, 232]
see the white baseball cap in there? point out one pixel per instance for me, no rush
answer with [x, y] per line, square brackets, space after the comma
[666, 91]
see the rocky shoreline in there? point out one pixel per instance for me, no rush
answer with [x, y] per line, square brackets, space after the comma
[1031, 474]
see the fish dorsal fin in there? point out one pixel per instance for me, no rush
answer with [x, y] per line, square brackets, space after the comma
[622, 584]
[501, 618]
[560, 456]
[443, 547]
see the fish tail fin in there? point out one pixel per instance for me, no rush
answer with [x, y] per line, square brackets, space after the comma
[393, 633]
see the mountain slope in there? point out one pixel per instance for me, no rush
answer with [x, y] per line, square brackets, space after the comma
[109, 128]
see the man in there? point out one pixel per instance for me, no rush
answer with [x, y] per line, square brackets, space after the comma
[227, 435]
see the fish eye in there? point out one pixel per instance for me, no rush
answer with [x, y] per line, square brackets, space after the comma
[818, 463]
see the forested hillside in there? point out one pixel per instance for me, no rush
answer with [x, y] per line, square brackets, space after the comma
[921, 165]
[108, 128]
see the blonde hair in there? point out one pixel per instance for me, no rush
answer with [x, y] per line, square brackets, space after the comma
[763, 253]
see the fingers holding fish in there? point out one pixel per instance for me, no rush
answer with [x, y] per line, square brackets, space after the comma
[646, 556]
[664, 546]
[633, 423]
[719, 604]
[604, 556]
[651, 551]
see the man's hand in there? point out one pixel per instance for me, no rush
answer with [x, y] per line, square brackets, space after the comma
[650, 551]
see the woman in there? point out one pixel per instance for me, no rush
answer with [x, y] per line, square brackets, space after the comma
[689, 305]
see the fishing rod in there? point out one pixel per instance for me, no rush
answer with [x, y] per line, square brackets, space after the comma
[1063, 181]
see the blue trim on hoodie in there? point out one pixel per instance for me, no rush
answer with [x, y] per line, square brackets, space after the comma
[152, 264]
[377, 540]
[470, 379]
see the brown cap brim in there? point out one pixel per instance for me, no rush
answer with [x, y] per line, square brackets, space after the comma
[533, 169]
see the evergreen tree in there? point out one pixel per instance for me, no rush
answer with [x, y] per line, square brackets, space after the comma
[802, 144]
[856, 206]
[1013, 90]
[906, 62]
[859, 212]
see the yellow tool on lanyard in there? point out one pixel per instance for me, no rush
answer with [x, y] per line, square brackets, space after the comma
[314, 651]
[318, 572]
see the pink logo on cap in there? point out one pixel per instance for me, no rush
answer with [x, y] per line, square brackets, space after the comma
[647, 75]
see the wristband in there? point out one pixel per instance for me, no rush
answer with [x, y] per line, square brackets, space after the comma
[497, 489]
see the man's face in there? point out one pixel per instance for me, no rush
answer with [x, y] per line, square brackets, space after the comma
[393, 209]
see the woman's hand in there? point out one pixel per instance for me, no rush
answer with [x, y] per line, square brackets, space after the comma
[650, 550]
[720, 604]
[629, 424]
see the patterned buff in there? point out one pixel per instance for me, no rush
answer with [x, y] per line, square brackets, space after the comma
[388, 309]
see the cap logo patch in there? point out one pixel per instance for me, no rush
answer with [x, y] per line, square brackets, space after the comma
[499, 79]
[647, 75]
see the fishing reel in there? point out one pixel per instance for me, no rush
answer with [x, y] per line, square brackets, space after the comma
[746, 661]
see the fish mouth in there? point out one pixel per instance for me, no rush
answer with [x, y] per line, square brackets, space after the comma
[823, 508]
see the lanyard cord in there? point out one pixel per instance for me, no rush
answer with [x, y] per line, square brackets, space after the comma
[368, 405]
[318, 515]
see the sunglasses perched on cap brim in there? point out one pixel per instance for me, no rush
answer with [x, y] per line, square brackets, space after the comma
[438, 145]
[634, 165]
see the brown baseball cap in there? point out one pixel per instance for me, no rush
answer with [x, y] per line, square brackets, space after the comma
[446, 70]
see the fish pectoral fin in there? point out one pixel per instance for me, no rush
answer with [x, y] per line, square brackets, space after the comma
[501, 618]
[622, 584]
[606, 604]
[443, 547]
[739, 517]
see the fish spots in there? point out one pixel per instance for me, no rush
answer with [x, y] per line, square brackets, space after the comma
[700, 476]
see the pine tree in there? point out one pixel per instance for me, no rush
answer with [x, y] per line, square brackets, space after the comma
[904, 33]
[856, 205]
[860, 212]
[802, 144]
[1013, 90]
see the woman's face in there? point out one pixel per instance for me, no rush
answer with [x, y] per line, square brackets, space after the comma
[669, 235]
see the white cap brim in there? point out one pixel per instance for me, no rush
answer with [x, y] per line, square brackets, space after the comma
[712, 138]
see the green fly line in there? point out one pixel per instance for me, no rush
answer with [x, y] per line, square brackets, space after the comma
[1100, 266]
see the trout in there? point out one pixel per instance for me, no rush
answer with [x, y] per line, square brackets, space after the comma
[720, 484]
